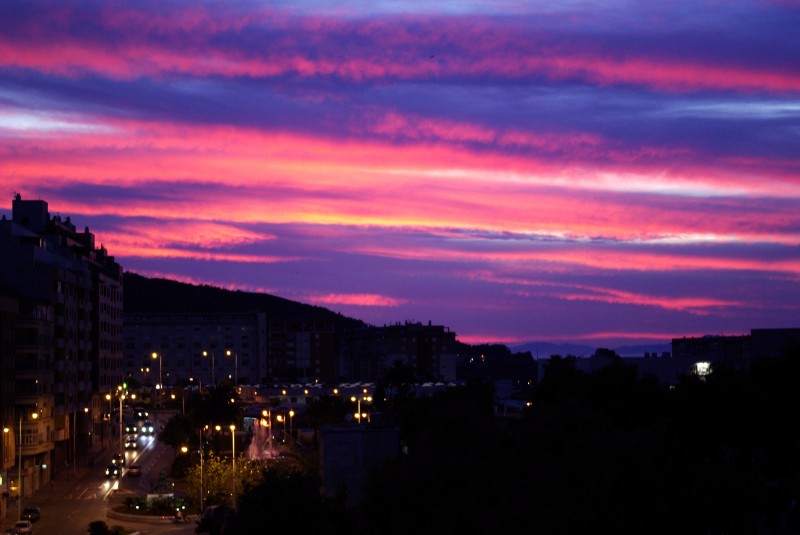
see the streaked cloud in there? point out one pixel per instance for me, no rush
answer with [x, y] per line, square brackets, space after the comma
[360, 300]
[514, 170]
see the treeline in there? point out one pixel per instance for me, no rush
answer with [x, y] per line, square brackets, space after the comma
[606, 452]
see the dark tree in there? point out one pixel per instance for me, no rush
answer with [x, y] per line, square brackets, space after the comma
[287, 501]
[177, 431]
[219, 405]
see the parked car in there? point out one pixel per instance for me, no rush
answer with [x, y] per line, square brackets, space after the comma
[24, 527]
[31, 513]
[148, 428]
[135, 470]
[112, 471]
[118, 459]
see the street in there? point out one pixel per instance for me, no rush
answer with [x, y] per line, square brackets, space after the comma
[71, 502]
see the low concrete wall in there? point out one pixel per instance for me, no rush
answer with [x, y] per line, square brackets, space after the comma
[144, 519]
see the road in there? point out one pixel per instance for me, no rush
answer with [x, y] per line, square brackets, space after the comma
[72, 502]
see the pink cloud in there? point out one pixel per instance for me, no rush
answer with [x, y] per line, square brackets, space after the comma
[360, 300]
[183, 40]
[195, 234]
[285, 178]
[696, 305]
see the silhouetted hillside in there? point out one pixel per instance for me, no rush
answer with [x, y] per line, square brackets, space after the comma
[142, 294]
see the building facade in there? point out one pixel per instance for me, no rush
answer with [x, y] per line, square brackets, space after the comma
[67, 337]
[369, 353]
[204, 347]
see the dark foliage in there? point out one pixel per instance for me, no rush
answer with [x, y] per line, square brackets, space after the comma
[288, 501]
[605, 452]
[98, 527]
[177, 431]
[214, 407]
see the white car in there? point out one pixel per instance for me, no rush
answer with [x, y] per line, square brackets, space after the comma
[24, 526]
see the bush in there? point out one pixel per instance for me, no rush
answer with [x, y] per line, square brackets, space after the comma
[98, 527]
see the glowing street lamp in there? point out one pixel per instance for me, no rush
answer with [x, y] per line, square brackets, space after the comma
[267, 422]
[281, 418]
[5, 439]
[121, 395]
[201, 466]
[200, 381]
[160, 385]
[233, 464]
[86, 421]
[361, 415]
[291, 415]
[34, 416]
[213, 378]
[235, 366]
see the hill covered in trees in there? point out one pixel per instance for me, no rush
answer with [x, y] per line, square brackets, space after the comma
[146, 295]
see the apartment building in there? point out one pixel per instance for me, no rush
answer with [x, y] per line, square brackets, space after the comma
[67, 345]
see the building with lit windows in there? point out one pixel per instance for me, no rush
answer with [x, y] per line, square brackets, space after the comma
[67, 345]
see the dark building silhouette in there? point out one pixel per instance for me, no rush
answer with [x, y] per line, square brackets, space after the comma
[431, 350]
[67, 336]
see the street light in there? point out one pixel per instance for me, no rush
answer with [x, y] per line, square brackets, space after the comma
[183, 402]
[291, 415]
[233, 464]
[268, 421]
[359, 414]
[235, 366]
[121, 397]
[213, 378]
[201, 466]
[160, 385]
[34, 416]
[5, 439]
[280, 418]
[89, 428]
[199, 380]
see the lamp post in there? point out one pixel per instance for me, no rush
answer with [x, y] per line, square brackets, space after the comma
[108, 397]
[5, 439]
[201, 467]
[160, 385]
[74, 440]
[359, 414]
[34, 416]
[268, 424]
[200, 381]
[121, 397]
[291, 416]
[89, 429]
[183, 402]
[19, 474]
[233, 464]
[235, 366]
[213, 378]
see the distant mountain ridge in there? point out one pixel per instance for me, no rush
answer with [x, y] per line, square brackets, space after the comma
[154, 295]
[543, 350]
[145, 295]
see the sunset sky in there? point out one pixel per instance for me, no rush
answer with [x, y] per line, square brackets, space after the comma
[597, 172]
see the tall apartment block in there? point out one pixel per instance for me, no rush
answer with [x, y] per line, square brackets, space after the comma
[60, 341]
[431, 350]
